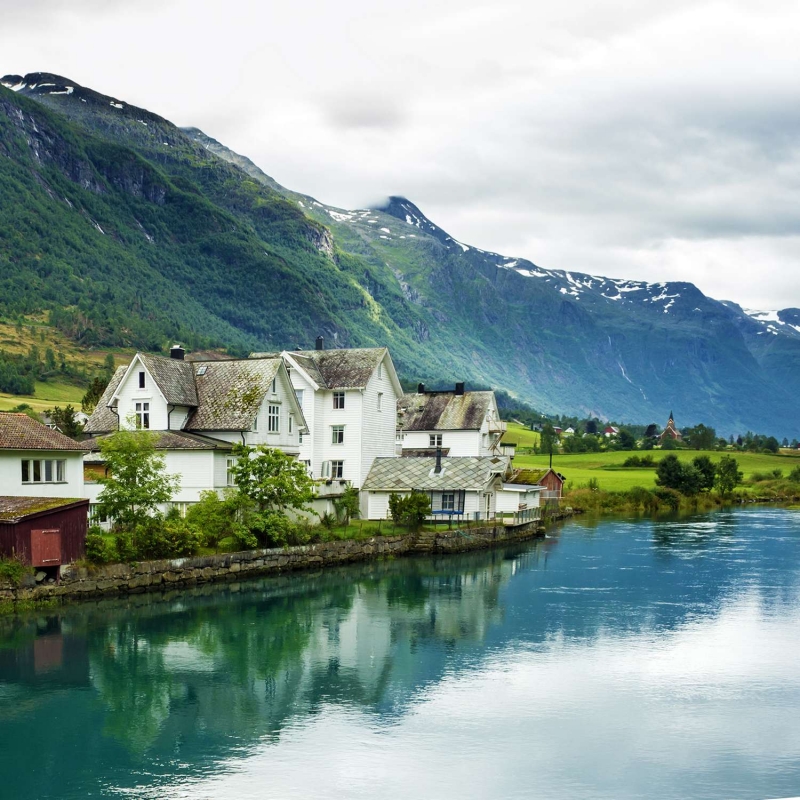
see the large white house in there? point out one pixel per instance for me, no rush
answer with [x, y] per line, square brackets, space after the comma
[349, 401]
[36, 461]
[461, 423]
[200, 409]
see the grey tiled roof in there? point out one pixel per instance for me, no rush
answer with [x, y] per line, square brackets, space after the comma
[175, 379]
[20, 432]
[230, 392]
[103, 419]
[167, 440]
[397, 474]
[337, 369]
[443, 411]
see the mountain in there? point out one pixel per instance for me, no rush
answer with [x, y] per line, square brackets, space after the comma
[131, 231]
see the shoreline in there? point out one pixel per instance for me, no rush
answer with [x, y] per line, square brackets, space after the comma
[115, 580]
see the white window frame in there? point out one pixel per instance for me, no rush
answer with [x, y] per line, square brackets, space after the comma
[142, 379]
[290, 423]
[273, 418]
[56, 467]
[298, 393]
[338, 401]
[275, 385]
[230, 463]
[448, 501]
[142, 413]
[337, 469]
[380, 401]
[435, 440]
[337, 434]
[380, 370]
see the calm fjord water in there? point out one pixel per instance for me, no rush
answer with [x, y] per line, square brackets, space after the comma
[617, 659]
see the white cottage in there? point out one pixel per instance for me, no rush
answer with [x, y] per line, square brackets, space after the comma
[461, 423]
[349, 401]
[200, 409]
[36, 461]
[461, 488]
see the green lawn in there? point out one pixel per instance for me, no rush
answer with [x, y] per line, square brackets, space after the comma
[522, 436]
[46, 396]
[580, 469]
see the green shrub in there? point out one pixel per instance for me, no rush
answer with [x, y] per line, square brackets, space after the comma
[215, 518]
[12, 570]
[794, 475]
[410, 510]
[327, 521]
[669, 497]
[100, 549]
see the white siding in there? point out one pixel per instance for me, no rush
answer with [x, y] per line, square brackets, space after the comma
[129, 393]
[379, 427]
[461, 443]
[11, 474]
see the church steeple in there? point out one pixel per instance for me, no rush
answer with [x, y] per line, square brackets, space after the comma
[671, 418]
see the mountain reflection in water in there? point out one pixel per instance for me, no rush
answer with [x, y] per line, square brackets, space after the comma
[620, 658]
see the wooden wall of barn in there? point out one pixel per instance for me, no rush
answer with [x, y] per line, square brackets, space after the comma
[72, 522]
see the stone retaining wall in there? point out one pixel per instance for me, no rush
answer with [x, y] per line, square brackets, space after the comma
[148, 576]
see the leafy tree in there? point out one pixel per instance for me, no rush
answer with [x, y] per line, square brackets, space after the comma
[671, 473]
[411, 509]
[216, 518]
[274, 481]
[137, 482]
[591, 427]
[728, 476]
[668, 443]
[548, 440]
[108, 364]
[625, 440]
[65, 420]
[701, 437]
[347, 505]
[707, 471]
[772, 445]
[93, 395]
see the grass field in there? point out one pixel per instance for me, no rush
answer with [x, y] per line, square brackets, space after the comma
[580, 469]
[522, 436]
[46, 396]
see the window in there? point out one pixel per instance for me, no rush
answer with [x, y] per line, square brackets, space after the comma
[298, 393]
[448, 501]
[300, 437]
[274, 419]
[274, 385]
[380, 400]
[435, 440]
[380, 370]
[142, 414]
[141, 380]
[291, 423]
[230, 478]
[182, 508]
[337, 469]
[44, 470]
[94, 515]
[337, 434]
[307, 465]
[255, 423]
[338, 399]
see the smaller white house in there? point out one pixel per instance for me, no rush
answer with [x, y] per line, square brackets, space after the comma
[461, 423]
[36, 461]
[520, 502]
[459, 488]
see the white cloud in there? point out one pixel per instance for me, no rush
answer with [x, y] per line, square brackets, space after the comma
[636, 139]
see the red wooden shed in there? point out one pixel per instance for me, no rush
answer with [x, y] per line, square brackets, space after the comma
[43, 531]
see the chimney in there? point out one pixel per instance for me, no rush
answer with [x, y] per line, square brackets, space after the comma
[177, 352]
[420, 388]
[438, 468]
[459, 388]
[320, 344]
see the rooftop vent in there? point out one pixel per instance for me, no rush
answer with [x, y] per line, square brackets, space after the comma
[438, 468]
[459, 388]
[420, 388]
[320, 343]
[177, 352]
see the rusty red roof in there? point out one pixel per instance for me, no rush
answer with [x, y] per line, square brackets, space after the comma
[20, 432]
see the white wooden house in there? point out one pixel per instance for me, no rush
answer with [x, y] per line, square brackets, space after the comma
[199, 409]
[349, 401]
[459, 488]
[36, 461]
[461, 423]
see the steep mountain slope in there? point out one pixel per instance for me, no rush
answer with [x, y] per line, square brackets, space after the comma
[130, 228]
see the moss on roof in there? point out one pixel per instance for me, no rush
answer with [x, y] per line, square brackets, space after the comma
[13, 509]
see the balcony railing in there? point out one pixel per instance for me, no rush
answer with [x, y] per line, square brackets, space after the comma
[497, 426]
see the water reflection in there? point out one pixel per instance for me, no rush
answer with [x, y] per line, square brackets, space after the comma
[607, 635]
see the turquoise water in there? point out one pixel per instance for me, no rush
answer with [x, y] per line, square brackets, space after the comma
[615, 659]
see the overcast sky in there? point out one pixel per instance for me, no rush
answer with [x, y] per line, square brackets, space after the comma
[636, 139]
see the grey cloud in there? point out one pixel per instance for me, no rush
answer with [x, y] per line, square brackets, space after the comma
[364, 111]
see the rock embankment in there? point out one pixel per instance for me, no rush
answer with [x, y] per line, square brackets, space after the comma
[76, 581]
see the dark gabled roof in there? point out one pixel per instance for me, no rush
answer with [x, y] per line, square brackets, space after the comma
[443, 411]
[14, 509]
[230, 393]
[403, 474]
[167, 440]
[337, 369]
[20, 432]
[174, 377]
[103, 419]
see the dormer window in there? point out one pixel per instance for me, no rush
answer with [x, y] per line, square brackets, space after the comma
[141, 380]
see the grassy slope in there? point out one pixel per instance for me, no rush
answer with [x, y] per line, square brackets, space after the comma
[522, 436]
[580, 469]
